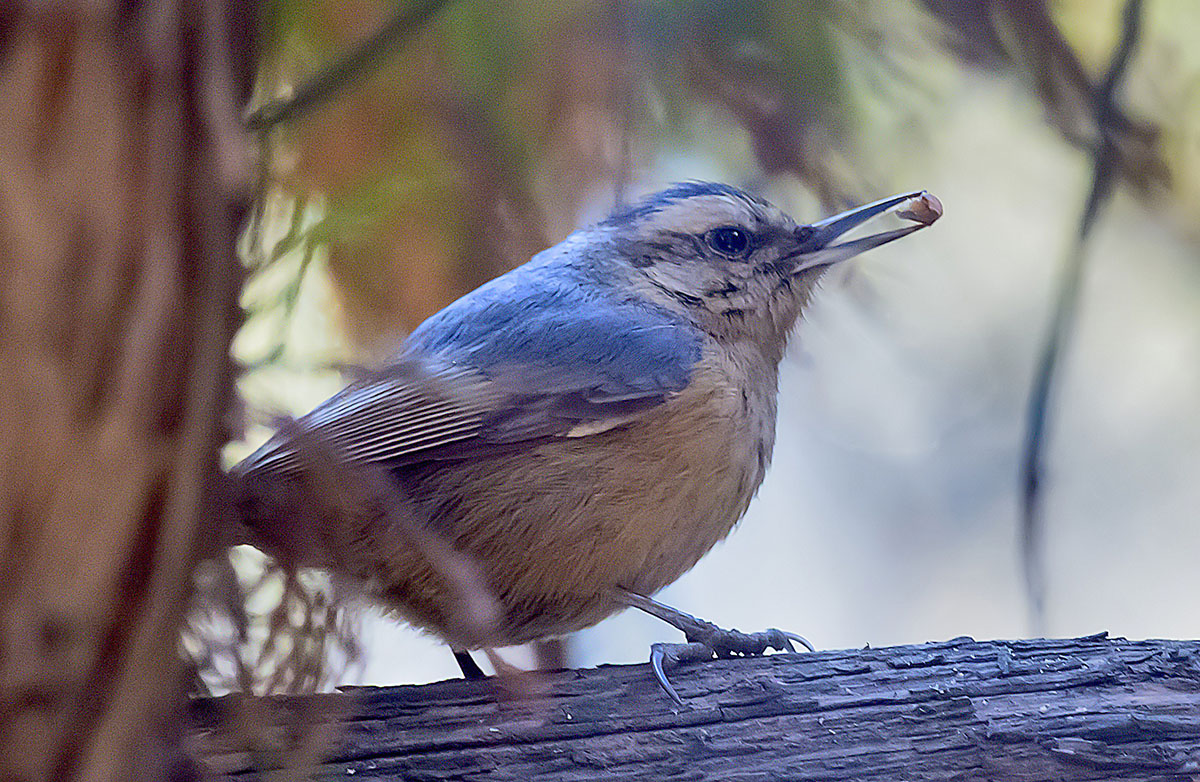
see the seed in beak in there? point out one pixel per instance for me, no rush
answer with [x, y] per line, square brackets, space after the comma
[924, 208]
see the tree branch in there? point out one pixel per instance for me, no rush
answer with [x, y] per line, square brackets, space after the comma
[1084, 709]
[357, 63]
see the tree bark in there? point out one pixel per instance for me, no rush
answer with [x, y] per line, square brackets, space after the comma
[122, 177]
[1083, 709]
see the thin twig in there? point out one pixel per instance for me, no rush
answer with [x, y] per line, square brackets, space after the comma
[258, 207]
[1063, 319]
[364, 58]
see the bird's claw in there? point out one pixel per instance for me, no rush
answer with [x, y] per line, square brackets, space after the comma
[705, 639]
[800, 640]
[715, 642]
[667, 656]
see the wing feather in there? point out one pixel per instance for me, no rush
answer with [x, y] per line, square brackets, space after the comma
[495, 369]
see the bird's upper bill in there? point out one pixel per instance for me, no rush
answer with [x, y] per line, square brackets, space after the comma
[922, 208]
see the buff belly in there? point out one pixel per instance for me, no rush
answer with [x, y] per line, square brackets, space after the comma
[556, 528]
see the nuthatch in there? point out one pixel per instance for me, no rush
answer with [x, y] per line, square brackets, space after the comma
[588, 425]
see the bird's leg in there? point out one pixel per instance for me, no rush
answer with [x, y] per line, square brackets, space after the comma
[513, 683]
[466, 663]
[705, 639]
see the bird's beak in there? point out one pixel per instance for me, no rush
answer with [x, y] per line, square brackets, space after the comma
[923, 208]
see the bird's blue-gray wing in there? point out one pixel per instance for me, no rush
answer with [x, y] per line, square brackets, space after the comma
[502, 369]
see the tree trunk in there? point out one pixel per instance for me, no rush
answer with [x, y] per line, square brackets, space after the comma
[1083, 709]
[122, 175]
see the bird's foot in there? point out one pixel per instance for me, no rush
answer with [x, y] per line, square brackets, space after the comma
[705, 640]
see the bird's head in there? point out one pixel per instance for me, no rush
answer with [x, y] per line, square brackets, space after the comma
[735, 264]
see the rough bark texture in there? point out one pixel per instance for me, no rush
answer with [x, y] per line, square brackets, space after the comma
[1083, 709]
[122, 172]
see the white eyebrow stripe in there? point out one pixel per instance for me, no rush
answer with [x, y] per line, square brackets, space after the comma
[700, 213]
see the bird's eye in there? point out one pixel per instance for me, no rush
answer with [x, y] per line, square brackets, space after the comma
[730, 241]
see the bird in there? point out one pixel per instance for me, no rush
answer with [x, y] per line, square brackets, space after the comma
[583, 428]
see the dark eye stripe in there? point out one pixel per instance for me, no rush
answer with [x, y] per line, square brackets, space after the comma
[724, 292]
[686, 299]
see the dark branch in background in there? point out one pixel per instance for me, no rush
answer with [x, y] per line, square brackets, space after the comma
[1064, 315]
[1022, 36]
[788, 132]
[254, 221]
[369, 55]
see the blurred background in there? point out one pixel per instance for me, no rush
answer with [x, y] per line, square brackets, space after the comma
[892, 511]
